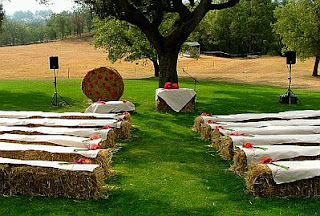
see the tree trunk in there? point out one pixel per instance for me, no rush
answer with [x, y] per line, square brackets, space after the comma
[168, 66]
[315, 68]
[156, 68]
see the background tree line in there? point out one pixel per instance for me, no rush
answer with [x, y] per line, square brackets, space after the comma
[25, 27]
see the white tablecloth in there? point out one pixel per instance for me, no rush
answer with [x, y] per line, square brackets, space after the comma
[111, 107]
[278, 152]
[51, 164]
[298, 170]
[175, 98]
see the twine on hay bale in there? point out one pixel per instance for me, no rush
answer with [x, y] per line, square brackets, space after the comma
[103, 158]
[197, 124]
[205, 132]
[51, 182]
[240, 164]
[226, 148]
[103, 84]
[124, 132]
[260, 182]
[215, 138]
[162, 106]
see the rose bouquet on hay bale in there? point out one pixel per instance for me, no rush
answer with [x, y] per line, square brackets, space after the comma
[103, 84]
[199, 121]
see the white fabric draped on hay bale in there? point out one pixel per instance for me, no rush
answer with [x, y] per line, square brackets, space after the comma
[111, 107]
[62, 140]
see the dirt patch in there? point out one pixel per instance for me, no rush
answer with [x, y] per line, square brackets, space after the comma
[78, 56]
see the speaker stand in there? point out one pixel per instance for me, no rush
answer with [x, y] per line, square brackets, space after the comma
[56, 96]
[289, 97]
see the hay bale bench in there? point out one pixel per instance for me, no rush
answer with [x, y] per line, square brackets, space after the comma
[299, 179]
[245, 156]
[175, 100]
[228, 143]
[51, 179]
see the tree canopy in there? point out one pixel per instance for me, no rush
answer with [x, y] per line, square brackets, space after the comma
[149, 15]
[1, 16]
[298, 24]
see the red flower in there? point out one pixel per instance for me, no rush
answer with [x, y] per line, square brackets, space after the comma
[100, 101]
[110, 77]
[83, 161]
[116, 79]
[203, 114]
[126, 113]
[108, 88]
[106, 127]
[94, 147]
[114, 93]
[124, 101]
[247, 145]
[266, 160]
[106, 78]
[168, 85]
[99, 76]
[175, 86]
[219, 127]
[94, 136]
[210, 121]
[234, 134]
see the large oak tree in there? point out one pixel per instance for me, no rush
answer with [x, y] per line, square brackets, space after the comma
[148, 15]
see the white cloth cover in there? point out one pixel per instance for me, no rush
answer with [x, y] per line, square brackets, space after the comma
[61, 122]
[61, 140]
[298, 170]
[296, 114]
[175, 98]
[273, 130]
[28, 114]
[278, 152]
[80, 132]
[276, 139]
[51, 164]
[52, 149]
[293, 122]
[111, 107]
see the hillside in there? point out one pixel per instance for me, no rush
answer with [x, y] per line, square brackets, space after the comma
[79, 56]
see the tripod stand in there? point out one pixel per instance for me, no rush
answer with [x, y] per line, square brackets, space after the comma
[289, 97]
[56, 95]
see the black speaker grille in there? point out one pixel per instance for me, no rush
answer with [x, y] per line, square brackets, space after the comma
[54, 62]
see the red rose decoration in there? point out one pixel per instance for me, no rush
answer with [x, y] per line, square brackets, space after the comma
[175, 86]
[94, 147]
[124, 101]
[219, 127]
[234, 134]
[94, 136]
[114, 93]
[99, 76]
[168, 85]
[83, 161]
[108, 88]
[210, 121]
[203, 114]
[106, 127]
[266, 160]
[247, 145]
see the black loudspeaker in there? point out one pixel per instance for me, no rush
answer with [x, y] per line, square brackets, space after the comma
[54, 62]
[291, 57]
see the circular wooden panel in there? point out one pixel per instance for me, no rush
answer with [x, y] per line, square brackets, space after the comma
[103, 84]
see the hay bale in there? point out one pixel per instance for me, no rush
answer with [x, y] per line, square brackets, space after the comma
[215, 138]
[162, 106]
[197, 124]
[124, 132]
[260, 182]
[51, 182]
[240, 164]
[205, 132]
[226, 148]
[103, 158]
[103, 84]
[4, 179]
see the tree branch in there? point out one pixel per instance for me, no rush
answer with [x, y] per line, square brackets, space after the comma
[227, 4]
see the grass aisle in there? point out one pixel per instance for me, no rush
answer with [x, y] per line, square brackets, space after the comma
[165, 169]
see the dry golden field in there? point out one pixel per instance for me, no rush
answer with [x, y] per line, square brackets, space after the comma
[78, 56]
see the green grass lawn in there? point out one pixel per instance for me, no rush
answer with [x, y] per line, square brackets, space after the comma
[165, 169]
